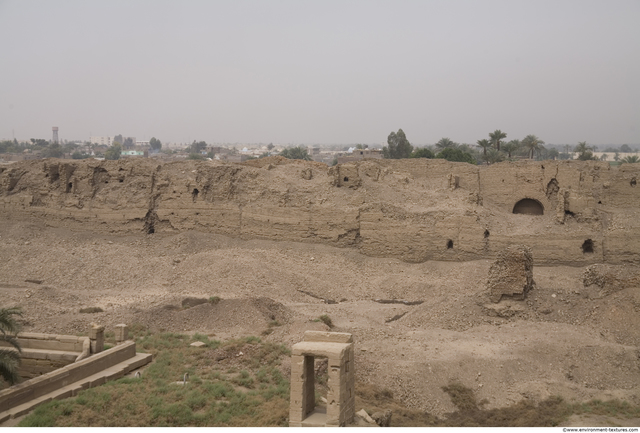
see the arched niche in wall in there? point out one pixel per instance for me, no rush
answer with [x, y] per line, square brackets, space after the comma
[528, 206]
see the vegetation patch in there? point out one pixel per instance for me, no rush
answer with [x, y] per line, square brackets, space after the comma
[242, 383]
[326, 320]
[256, 394]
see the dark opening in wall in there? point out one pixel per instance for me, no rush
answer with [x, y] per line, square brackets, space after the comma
[552, 189]
[69, 186]
[195, 193]
[633, 182]
[587, 246]
[569, 213]
[120, 180]
[486, 234]
[449, 244]
[528, 206]
[150, 222]
[346, 179]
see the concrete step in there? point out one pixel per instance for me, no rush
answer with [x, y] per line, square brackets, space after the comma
[112, 373]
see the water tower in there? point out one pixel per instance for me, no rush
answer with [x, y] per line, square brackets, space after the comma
[55, 134]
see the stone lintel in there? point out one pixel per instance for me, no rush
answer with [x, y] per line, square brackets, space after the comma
[328, 337]
[329, 350]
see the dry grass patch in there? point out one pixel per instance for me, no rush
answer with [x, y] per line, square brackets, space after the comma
[256, 395]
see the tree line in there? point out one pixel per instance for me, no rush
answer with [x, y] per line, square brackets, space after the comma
[495, 148]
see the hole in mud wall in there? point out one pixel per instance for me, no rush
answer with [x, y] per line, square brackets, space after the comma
[587, 246]
[346, 179]
[528, 206]
[69, 186]
[633, 182]
[486, 234]
[120, 180]
[195, 193]
[449, 244]
[569, 213]
[552, 188]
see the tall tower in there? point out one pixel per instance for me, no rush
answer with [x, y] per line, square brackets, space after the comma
[55, 134]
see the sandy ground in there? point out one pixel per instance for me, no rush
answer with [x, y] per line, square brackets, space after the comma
[565, 339]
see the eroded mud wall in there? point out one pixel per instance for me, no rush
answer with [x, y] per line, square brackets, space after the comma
[414, 210]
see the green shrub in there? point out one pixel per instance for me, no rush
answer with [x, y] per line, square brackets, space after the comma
[326, 320]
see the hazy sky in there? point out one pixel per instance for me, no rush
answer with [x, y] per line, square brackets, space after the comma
[321, 71]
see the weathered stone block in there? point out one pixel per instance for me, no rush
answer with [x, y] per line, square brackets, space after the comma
[511, 274]
[328, 337]
[122, 333]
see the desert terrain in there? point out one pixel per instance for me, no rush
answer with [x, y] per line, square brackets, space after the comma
[420, 319]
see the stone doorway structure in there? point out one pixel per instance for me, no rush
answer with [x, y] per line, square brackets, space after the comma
[338, 348]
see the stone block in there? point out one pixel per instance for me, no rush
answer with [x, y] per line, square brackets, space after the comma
[122, 333]
[511, 274]
[96, 331]
[328, 337]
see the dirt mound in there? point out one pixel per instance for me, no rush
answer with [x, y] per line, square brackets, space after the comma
[228, 316]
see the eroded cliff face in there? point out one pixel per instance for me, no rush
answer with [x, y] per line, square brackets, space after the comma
[414, 210]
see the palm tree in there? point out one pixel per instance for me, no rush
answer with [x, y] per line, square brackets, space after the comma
[511, 147]
[9, 359]
[553, 153]
[496, 136]
[494, 156]
[581, 147]
[484, 143]
[584, 151]
[631, 159]
[532, 143]
[445, 143]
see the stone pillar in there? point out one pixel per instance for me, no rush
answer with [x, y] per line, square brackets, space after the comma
[96, 335]
[298, 403]
[122, 333]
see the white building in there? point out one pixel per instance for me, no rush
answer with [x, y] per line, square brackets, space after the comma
[101, 140]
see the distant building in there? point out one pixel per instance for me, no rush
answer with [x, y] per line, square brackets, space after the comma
[107, 141]
[132, 153]
[359, 154]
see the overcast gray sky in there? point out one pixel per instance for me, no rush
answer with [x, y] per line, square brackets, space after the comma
[295, 71]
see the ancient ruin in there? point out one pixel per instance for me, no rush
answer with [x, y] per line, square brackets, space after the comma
[338, 348]
[511, 275]
[396, 253]
[59, 366]
[569, 212]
